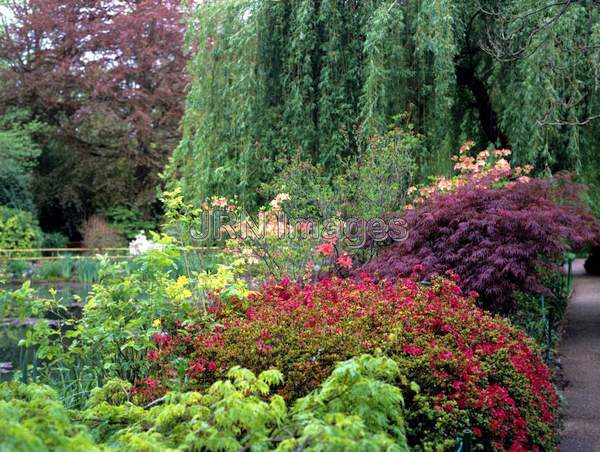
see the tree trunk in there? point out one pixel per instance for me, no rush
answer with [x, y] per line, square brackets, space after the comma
[489, 120]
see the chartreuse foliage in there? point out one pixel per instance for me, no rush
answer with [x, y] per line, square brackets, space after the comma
[357, 408]
[33, 419]
[149, 335]
[129, 304]
[18, 229]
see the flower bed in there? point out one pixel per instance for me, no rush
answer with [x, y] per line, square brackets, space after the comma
[462, 367]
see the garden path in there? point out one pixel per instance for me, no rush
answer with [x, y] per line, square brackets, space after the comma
[580, 357]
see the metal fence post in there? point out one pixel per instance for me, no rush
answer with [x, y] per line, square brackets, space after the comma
[569, 257]
[465, 442]
[547, 329]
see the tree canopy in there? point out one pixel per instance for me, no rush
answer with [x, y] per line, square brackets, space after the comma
[107, 78]
[320, 76]
[273, 79]
[18, 158]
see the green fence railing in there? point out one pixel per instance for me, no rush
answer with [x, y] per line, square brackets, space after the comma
[548, 321]
[548, 315]
[569, 259]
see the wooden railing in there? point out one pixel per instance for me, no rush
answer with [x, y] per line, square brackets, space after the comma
[51, 254]
[37, 254]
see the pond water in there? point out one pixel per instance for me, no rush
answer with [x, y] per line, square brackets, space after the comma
[12, 356]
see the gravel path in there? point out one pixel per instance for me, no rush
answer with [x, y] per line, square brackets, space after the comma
[580, 356]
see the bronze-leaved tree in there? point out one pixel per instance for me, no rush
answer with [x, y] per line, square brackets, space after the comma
[107, 78]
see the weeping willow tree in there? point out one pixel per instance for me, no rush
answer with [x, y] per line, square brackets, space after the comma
[271, 78]
[546, 78]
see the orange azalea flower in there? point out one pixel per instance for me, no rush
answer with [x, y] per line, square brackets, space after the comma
[219, 202]
[465, 147]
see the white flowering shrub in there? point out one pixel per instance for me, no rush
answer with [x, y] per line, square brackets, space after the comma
[141, 245]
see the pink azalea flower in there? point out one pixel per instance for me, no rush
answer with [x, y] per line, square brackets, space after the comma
[345, 261]
[326, 249]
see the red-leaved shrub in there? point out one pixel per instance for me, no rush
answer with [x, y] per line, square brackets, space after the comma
[471, 370]
[496, 239]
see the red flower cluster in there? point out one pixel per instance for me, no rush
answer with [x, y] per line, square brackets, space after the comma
[326, 249]
[473, 370]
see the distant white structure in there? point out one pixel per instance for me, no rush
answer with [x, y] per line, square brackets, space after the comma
[141, 245]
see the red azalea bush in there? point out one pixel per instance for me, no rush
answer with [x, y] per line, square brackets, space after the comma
[496, 237]
[471, 370]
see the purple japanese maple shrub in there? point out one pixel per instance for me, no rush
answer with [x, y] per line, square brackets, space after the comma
[496, 239]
